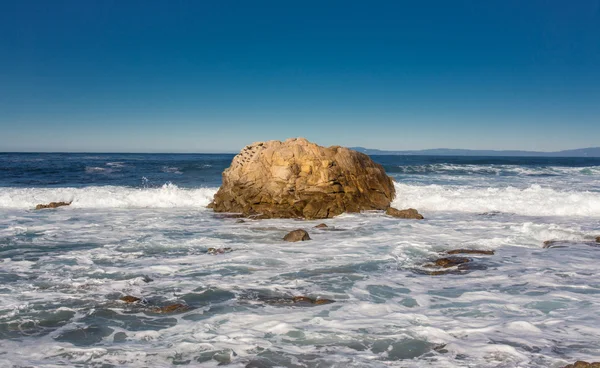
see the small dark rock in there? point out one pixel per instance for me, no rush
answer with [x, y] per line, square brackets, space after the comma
[215, 251]
[598, 239]
[240, 221]
[296, 235]
[471, 251]
[582, 364]
[409, 213]
[51, 205]
[321, 226]
[147, 279]
[129, 299]
[451, 262]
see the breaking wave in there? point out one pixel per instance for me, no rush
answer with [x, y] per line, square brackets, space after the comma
[167, 196]
[534, 200]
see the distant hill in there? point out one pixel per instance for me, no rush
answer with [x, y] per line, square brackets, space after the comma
[580, 152]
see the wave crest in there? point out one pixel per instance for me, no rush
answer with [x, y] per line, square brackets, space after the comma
[532, 201]
[167, 196]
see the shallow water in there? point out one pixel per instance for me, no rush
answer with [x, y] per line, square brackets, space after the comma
[64, 270]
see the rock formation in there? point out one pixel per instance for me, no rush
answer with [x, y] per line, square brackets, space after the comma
[409, 213]
[296, 235]
[582, 364]
[299, 179]
[51, 205]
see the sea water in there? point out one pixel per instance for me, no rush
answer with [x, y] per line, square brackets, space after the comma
[138, 225]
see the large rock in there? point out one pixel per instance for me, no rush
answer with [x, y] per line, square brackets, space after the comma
[299, 179]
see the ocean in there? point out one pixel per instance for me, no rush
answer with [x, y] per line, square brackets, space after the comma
[138, 225]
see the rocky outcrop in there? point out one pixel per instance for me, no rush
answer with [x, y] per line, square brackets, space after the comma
[409, 213]
[296, 235]
[172, 308]
[51, 205]
[582, 364]
[130, 299]
[299, 179]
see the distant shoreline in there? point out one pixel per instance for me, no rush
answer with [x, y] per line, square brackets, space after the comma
[580, 152]
[592, 152]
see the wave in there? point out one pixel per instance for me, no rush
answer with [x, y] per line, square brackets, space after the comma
[172, 170]
[532, 201]
[167, 196]
[496, 170]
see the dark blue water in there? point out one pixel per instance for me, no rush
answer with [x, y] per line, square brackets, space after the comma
[204, 170]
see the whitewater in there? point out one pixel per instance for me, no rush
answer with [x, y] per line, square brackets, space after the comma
[138, 225]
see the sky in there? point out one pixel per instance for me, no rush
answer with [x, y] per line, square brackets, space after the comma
[213, 76]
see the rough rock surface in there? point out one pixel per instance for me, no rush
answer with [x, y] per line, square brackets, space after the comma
[130, 299]
[296, 235]
[409, 213]
[299, 179]
[51, 205]
[582, 364]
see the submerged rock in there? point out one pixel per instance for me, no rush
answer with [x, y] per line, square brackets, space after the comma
[550, 244]
[296, 235]
[302, 299]
[451, 262]
[582, 364]
[172, 308]
[215, 251]
[471, 251]
[130, 299]
[299, 179]
[51, 205]
[449, 265]
[321, 226]
[409, 213]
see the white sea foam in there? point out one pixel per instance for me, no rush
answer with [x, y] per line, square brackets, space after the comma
[173, 170]
[466, 169]
[167, 196]
[534, 200]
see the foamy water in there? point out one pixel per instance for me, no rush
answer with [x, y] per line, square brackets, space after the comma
[63, 271]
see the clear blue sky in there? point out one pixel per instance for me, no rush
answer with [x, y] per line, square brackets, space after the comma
[210, 76]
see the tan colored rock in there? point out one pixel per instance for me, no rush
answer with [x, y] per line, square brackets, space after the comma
[302, 299]
[409, 213]
[172, 308]
[299, 179]
[582, 364]
[296, 235]
[321, 226]
[51, 205]
[129, 299]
